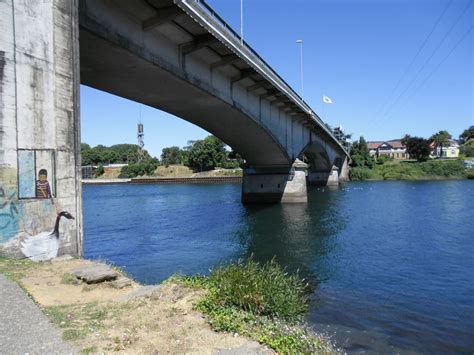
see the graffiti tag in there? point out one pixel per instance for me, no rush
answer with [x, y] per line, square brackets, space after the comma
[8, 209]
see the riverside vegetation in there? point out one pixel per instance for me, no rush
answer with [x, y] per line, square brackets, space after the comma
[200, 156]
[260, 301]
[242, 300]
[413, 170]
[366, 167]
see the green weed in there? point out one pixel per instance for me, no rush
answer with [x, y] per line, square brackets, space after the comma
[262, 302]
[15, 269]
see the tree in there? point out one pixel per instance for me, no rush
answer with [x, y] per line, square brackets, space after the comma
[118, 153]
[466, 135]
[233, 160]
[145, 167]
[171, 155]
[128, 153]
[468, 148]
[417, 147]
[100, 170]
[360, 154]
[441, 139]
[84, 147]
[206, 154]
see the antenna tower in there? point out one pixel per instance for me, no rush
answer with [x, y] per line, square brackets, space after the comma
[140, 137]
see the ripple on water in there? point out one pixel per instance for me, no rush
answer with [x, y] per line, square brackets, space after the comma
[391, 262]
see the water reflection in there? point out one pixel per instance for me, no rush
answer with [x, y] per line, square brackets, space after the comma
[301, 236]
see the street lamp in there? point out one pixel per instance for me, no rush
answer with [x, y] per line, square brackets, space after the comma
[241, 22]
[300, 42]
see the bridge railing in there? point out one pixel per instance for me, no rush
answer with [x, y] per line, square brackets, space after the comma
[210, 11]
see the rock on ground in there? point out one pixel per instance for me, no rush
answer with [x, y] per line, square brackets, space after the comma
[95, 273]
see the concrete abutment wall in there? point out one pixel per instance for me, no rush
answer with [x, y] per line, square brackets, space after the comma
[39, 126]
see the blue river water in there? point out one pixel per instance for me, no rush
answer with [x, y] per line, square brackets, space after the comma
[391, 263]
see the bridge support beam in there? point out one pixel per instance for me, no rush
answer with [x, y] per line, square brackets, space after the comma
[275, 184]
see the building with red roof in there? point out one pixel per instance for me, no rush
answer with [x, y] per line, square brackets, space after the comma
[393, 149]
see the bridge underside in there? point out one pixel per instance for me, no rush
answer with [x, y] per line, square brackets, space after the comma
[116, 70]
[154, 53]
[166, 54]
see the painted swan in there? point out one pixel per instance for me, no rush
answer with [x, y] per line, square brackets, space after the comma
[45, 245]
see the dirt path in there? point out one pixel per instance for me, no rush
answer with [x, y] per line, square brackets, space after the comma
[134, 319]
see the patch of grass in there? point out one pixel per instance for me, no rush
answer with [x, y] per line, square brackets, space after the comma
[89, 350]
[262, 302]
[259, 289]
[194, 282]
[77, 321]
[70, 279]
[16, 269]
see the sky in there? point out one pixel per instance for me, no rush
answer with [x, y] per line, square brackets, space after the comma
[390, 67]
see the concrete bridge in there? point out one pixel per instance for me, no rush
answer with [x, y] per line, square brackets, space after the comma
[177, 56]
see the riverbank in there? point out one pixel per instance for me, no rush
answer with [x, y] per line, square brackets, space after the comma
[161, 180]
[171, 171]
[412, 170]
[122, 315]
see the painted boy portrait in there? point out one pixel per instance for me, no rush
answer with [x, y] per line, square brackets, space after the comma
[42, 185]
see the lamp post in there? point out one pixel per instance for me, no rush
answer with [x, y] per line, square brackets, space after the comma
[300, 42]
[241, 22]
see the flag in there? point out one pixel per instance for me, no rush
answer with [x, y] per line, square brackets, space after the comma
[327, 100]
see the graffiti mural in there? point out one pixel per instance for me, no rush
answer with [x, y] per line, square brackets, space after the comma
[36, 173]
[42, 185]
[8, 215]
[26, 174]
[45, 245]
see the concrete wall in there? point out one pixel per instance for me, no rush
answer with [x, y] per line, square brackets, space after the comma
[39, 124]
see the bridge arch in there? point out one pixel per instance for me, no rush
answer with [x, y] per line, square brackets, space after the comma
[175, 55]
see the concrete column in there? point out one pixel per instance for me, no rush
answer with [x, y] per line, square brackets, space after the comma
[39, 128]
[275, 184]
[324, 178]
[344, 173]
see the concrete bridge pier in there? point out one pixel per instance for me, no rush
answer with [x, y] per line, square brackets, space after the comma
[324, 178]
[275, 184]
[339, 173]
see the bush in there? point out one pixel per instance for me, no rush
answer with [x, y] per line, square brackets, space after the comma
[401, 171]
[262, 302]
[443, 168]
[360, 173]
[260, 289]
[143, 168]
[410, 170]
[470, 173]
[100, 170]
[231, 164]
[468, 148]
[381, 159]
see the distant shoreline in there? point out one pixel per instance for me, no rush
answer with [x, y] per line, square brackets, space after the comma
[167, 180]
